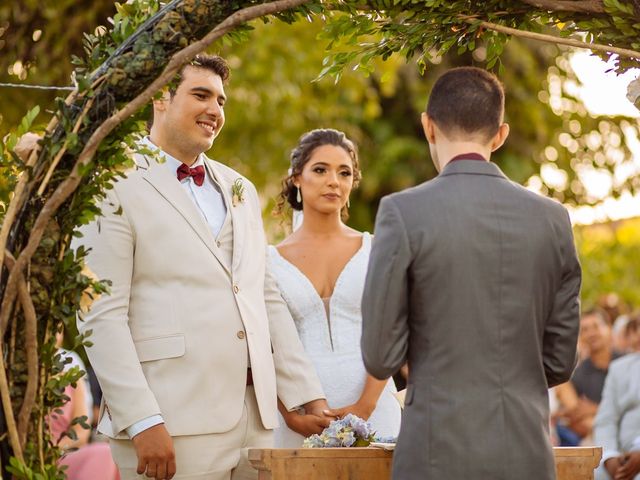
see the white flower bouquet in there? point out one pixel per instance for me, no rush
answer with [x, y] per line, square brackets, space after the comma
[349, 431]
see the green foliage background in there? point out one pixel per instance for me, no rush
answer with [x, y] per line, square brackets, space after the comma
[275, 97]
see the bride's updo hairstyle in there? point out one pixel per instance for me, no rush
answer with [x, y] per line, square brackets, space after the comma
[301, 154]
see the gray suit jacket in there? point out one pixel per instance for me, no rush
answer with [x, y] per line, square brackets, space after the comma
[475, 281]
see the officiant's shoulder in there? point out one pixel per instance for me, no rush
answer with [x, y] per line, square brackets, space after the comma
[540, 201]
[410, 194]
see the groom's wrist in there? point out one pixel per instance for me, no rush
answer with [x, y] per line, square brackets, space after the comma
[143, 425]
[316, 407]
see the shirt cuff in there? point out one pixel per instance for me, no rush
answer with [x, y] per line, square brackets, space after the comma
[144, 424]
[636, 444]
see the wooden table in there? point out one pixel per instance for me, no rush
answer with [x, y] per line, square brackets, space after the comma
[375, 464]
[575, 463]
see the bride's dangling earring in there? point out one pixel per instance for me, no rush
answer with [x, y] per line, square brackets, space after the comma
[298, 195]
[348, 202]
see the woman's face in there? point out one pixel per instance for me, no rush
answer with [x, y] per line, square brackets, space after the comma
[326, 179]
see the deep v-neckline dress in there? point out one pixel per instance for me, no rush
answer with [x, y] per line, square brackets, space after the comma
[333, 341]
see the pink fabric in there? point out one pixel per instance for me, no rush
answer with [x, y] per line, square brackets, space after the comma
[90, 462]
[60, 422]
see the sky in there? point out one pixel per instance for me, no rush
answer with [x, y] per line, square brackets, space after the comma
[604, 93]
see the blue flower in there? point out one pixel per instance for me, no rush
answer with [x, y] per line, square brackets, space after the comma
[314, 441]
[348, 438]
[345, 432]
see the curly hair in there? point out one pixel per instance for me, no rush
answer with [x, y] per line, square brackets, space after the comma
[301, 154]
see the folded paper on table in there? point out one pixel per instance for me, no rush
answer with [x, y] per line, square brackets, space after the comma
[384, 446]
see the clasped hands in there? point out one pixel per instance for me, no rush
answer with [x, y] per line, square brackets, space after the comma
[317, 416]
[623, 467]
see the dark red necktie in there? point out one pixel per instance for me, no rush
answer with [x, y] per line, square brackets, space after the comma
[197, 173]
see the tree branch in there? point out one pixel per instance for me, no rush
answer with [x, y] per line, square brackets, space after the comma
[623, 52]
[5, 396]
[69, 185]
[31, 347]
[577, 6]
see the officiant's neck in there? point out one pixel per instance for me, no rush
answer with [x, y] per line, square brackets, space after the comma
[446, 151]
[444, 146]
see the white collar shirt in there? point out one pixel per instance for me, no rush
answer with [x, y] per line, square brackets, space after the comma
[207, 197]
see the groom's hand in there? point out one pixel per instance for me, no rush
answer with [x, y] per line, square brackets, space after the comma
[307, 424]
[359, 409]
[155, 452]
[317, 407]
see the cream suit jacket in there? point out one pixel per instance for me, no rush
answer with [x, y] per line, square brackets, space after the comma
[174, 335]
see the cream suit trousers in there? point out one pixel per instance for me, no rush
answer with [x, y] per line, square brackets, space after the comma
[217, 456]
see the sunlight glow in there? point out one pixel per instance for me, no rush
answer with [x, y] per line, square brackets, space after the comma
[604, 93]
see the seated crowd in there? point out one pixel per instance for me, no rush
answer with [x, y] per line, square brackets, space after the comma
[600, 405]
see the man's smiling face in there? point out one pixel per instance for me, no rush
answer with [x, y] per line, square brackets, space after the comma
[192, 117]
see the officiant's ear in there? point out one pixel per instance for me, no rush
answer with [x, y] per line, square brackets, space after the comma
[429, 127]
[500, 137]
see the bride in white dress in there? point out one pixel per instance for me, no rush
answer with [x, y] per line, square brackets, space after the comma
[320, 270]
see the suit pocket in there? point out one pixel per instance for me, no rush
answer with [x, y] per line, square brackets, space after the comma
[408, 398]
[171, 346]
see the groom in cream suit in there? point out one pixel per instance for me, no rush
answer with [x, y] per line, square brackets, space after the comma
[474, 281]
[194, 345]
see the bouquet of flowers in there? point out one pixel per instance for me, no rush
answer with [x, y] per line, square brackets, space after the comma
[349, 431]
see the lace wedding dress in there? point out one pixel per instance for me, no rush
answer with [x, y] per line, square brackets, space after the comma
[330, 331]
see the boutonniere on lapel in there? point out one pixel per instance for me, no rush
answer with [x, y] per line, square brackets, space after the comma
[237, 192]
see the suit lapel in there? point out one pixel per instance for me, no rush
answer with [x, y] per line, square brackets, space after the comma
[237, 213]
[167, 186]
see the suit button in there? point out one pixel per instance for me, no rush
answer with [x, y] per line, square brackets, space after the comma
[240, 334]
[218, 243]
[236, 289]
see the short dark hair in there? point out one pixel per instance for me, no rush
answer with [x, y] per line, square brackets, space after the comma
[301, 154]
[467, 101]
[213, 63]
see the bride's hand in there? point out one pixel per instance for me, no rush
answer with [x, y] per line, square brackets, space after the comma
[307, 424]
[359, 409]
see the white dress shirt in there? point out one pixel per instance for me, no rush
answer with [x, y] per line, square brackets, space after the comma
[210, 203]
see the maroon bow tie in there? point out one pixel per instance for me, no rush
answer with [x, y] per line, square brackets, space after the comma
[197, 173]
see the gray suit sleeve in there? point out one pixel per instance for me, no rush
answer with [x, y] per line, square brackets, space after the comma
[385, 305]
[563, 323]
[605, 428]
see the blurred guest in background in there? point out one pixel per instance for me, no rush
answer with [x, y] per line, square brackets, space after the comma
[617, 424]
[579, 398]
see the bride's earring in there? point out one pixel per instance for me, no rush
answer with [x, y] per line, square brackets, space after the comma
[348, 203]
[298, 195]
